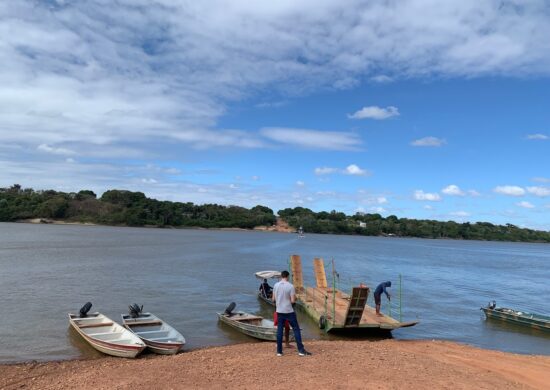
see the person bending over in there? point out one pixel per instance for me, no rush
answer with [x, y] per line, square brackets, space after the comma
[381, 288]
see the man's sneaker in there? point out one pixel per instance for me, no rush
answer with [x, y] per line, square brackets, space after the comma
[279, 354]
[304, 353]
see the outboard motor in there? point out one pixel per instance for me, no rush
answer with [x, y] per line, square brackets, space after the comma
[135, 310]
[230, 308]
[85, 309]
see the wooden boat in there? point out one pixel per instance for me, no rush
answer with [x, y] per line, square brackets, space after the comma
[251, 325]
[261, 275]
[160, 337]
[334, 310]
[107, 336]
[532, 320]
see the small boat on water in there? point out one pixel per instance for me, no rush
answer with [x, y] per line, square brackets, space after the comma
[105, 335]
[532, 320]
[262, 293]
[250, 324]
[159, 336]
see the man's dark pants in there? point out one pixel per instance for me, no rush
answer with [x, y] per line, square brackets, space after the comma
[293, 321]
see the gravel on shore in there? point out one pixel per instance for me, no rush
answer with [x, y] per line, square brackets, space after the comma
[386, 364]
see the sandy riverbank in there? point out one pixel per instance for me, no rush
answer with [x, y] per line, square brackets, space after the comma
[387, 364]
[281, 226]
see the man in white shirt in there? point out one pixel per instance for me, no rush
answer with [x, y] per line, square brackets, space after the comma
[284, 296]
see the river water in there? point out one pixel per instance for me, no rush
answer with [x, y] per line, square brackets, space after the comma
[186, 276]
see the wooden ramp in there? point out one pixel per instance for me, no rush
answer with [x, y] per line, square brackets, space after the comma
[296, 270]
[356, 307]
[319, 269]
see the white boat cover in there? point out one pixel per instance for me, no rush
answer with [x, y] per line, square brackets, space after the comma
[268, 275]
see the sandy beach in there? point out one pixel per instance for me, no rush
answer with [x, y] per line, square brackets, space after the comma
[387, 364]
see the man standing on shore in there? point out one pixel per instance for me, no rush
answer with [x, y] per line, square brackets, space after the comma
[284, 296]
[378, 293]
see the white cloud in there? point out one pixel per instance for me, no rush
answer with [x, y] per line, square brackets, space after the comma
[421, 195]
[525, 205]
[541, 179]
[375, 112]
[325, 171]
[378, 210]
[312, 139]
[382, 79]
[255, 178]
[509, 190]
[429, 141]
[454, 190]
[351, 170]
[60, 151]
[473, 193]
[539, 191]
[428, 207]
[354, 170]
[381, 200]
[148, 181]
[300, 183]
[537, 137]
[460, 214]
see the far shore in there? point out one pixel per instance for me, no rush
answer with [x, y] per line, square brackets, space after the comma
[280, 227]
[386, 364]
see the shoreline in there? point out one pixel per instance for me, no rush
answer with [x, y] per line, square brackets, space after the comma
[385, 364]
[279, 228]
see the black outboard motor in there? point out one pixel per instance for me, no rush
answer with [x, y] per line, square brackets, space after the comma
[230, 308]
[135, 310]
[85, 309]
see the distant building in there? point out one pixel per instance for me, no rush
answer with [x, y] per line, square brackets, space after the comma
[362, 224]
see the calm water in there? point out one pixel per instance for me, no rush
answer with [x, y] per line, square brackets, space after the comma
[185, 276]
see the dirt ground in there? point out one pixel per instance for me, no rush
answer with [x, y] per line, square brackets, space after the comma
[387, 364]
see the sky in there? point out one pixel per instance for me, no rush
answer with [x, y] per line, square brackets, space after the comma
[415, 108]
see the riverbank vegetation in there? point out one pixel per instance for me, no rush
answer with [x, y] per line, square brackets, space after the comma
[121, 207]
[376, 225]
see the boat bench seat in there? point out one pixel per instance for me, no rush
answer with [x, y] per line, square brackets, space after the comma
[101, 334]
[160, 332]
[121, 341]
[99, 325]
[247, 318]
[161, 339]
[144, 323]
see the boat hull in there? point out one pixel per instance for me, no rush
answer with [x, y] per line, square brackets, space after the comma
[151, 330]
[112, 349]
[267, 333]
[266, 300]
[529, 320]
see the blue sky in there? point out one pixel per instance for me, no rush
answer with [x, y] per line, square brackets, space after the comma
[412, 108]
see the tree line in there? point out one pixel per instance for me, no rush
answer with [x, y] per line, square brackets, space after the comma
[121, 207]
[375, 225]
[127, 208]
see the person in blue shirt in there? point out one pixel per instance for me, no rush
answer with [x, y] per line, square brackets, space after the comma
[381, 288]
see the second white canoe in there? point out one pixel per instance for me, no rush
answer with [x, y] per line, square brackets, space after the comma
[159, 336]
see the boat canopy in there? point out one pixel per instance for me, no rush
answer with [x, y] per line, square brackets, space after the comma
[268, 275]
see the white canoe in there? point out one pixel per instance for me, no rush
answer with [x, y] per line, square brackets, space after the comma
[158, 335]
[107, 336]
